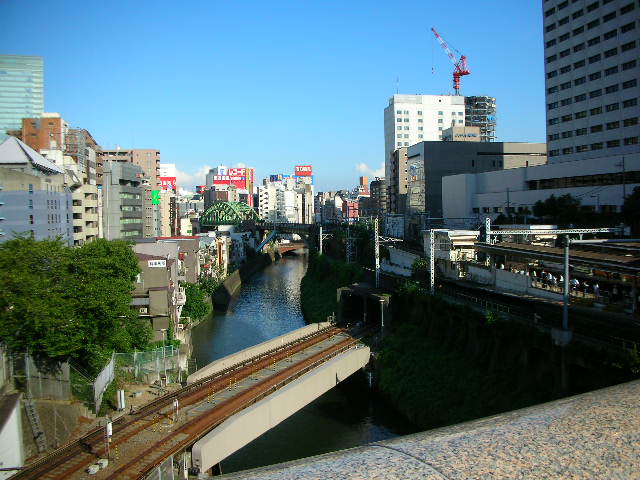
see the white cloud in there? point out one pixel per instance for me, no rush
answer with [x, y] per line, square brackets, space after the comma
[365, 169]
[189, 180]
[241, 165]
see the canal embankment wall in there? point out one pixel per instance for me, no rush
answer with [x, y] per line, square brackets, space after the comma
[250, 352]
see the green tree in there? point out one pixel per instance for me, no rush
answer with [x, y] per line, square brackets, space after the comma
[63, 303]
[196, 305]
[563, 211]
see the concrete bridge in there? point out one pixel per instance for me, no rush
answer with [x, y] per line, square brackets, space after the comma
[224, 406]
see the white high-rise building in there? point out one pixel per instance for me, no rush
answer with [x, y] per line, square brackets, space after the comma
[591, 70]
[410, 119]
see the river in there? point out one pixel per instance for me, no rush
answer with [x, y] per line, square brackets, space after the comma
[347, 416]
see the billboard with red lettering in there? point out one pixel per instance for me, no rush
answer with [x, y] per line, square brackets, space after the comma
[168, 183]
[304, 171]
[201, 189]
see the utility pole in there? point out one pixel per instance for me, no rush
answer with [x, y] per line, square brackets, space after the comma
[565, 302]
[508, 206]
[432, 262]
[320, 239]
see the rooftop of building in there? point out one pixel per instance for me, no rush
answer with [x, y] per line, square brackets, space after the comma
[14, 151]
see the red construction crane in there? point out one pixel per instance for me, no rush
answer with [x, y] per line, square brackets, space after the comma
[461, 67]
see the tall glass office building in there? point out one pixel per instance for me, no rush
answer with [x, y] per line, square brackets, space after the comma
[21, 90]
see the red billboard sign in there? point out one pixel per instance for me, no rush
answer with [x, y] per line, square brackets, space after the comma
[304, 171]
[201, 189]
[168, 183]
[241, 178]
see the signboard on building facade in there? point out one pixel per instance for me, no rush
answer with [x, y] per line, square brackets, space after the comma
[155, 197]
[168, 183]
[304, 170]
[157, 263]
[201, 189]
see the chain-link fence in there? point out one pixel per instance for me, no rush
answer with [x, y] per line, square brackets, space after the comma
[40, 383]
[147, 367]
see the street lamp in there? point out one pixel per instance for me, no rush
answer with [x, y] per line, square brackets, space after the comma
[381, 299]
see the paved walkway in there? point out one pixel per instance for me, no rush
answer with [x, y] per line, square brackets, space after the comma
[590, 436]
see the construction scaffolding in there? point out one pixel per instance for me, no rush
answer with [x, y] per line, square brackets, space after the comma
[481, 112]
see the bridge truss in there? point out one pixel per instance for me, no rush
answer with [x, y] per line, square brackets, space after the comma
[228, 213]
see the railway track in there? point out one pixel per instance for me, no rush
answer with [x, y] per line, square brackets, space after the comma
[77, 455]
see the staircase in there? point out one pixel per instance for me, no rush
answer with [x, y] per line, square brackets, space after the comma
[36, 426]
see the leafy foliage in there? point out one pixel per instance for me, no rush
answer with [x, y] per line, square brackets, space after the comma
[63, 303]
[318, 288]
[196, 305]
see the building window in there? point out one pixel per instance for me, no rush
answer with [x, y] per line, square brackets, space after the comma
[551, 137]
[629, 65]
[419, 120]
[460, 121]
[550, 12]
[594, 58]
[596, 128]
[631, 141]
[609, 16]
[554, 152]
[629, 83]
[399, 144]
[578, 47]
[440, 120]
[613, 125]
[582, 148]
[595, 93]
[580, 98]
[553, 121]
[399, 135]
[581, 131]
[593, 24]
[567, 118]
[591, 7]
[632, 102]
[630, 122]
[550, 28]
[611, 70]
[399, 120]
[564, 102]
[440, 128]
[476, 210]
[420, 128]
[567, 68]
[439, 113]
[593, 41]
[567, 134]
[578, 31]
[549, 75]
[611, 52]
[399, 127]
[597, 146]
[577, 14]
[595, 76]
[628, 27]
[611, 88]
[567, 150]
[420, 136]
[31, 204]
[595, 111]
[406, 112]
[552, 89]
[419, 112]
[612, 107]
[610, 34]
[579, 81]
[627, 8]
[31, 219]
[581, 114]
[565, 85]
[628, 46]
[460, 113]
[563, 21]
[406, 144]
[406, 128]
[613, 143]
[399, 112]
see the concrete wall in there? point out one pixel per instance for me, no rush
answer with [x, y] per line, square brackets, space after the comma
[247, 353]
[252, 422]
[508, 281]
[11, 450]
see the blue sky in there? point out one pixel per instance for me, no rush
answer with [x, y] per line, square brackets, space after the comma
[272, 84]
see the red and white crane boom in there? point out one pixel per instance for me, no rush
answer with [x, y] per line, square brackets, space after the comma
[461, 68]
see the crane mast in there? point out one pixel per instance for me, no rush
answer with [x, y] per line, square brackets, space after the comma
[461, 68]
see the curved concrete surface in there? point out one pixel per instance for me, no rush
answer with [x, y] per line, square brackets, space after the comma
[595, 435]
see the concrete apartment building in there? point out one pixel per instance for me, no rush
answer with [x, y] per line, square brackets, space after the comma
[75, 151]
[157, 296]
[591, 86]
[22, 87]
[33, 196]
[149, 161]
[591, 78]
[286, 199]
[398, 180]
[121, 195]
